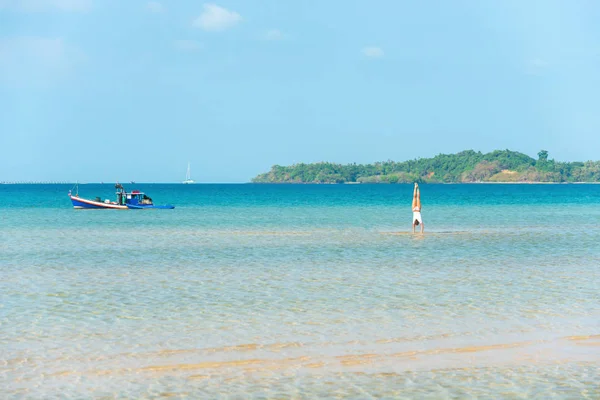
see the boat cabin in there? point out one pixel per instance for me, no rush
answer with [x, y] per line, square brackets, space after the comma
[135, 197]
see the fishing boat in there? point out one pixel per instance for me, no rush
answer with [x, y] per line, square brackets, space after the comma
[188, 177]
[134, 200]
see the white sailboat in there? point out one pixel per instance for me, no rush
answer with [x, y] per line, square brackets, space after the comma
[188, 177]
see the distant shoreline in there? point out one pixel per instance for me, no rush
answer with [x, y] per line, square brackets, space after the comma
[468, 166]
[425, 183]
[306, 183]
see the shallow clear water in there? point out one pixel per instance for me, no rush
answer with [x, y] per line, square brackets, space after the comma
[267, 291]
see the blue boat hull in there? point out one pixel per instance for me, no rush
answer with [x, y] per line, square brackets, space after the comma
[81, 203]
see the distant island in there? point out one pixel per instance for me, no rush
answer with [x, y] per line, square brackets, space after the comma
[500, 166]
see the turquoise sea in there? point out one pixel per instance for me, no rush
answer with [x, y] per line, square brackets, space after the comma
[301, 291]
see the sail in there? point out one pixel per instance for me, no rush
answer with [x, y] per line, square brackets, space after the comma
[188, 176]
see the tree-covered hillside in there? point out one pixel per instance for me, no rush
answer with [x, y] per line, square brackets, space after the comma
[466, 166]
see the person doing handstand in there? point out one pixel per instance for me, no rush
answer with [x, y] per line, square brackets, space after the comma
[416, 208]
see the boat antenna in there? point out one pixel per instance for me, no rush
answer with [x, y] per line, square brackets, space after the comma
[76, 187]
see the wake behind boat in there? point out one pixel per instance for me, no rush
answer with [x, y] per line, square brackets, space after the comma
[134, 200]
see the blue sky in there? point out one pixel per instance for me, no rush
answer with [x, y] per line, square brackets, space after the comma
[105, 90]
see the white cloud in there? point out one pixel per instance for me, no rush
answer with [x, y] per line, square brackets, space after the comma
[46, 5]
[32, 60]
[372, 52]
[47, 51]
[187, 45]
[274, 34]
[535, 66]
[215, 18]
[155, 7]
[538, 63]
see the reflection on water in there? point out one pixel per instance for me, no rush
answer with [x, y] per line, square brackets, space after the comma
[281, 297]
